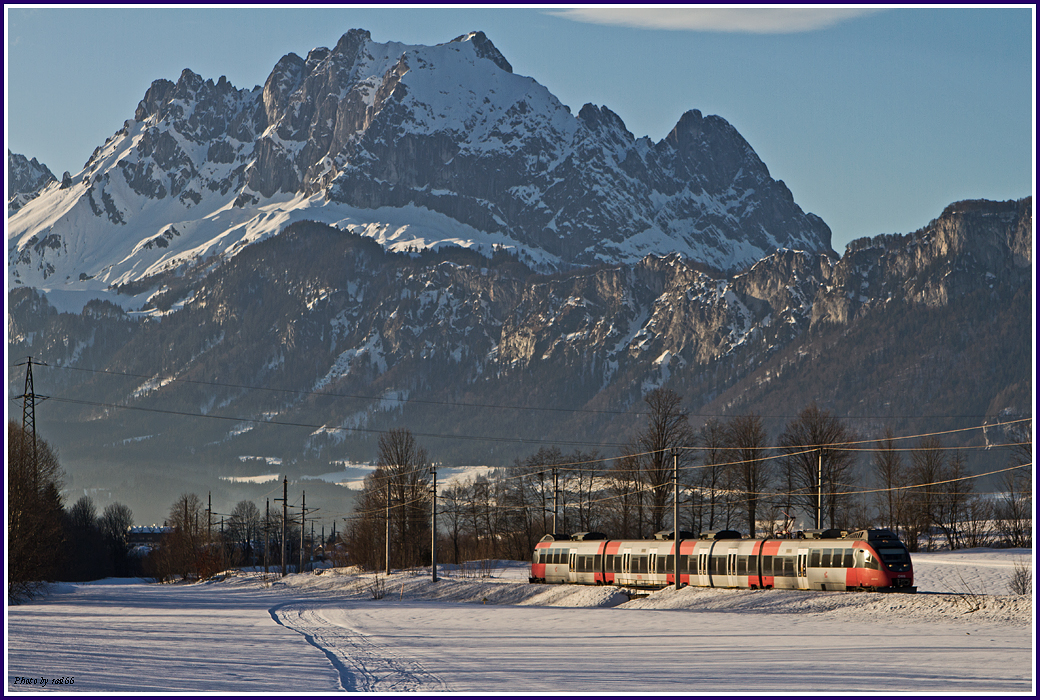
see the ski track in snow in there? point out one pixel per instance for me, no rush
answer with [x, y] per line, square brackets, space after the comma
[363, 665]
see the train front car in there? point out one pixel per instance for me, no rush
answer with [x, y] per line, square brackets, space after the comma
[882, 563]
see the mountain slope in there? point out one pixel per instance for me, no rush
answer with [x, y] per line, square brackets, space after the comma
[300, 346]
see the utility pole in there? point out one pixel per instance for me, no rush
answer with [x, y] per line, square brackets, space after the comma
[675, 515]
[819, 487]
[285, 516]
[541, 486]
[388, 525]
[556, 494]
[433, 528]
[303, 529]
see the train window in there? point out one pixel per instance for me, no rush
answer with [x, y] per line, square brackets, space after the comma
[849, 560]
[668, 563]
[742, 565]
[608, 562]
[788, 566]
[893, 555]
[814, 558]
[825, 558]
[597, 562]
[767, 565]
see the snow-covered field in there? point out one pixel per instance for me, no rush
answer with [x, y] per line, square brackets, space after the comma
[470, 632]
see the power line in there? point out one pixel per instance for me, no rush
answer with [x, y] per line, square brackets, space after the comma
[455, 404]
[312, 426]
[336, 395]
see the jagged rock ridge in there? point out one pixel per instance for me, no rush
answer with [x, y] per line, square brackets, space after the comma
[25, 179]
[415, 146]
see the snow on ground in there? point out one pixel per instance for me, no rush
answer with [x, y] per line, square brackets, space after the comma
[484, 629]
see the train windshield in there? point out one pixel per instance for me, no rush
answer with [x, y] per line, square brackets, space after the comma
[894, 555]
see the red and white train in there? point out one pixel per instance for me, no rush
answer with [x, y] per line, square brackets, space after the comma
[832, 560]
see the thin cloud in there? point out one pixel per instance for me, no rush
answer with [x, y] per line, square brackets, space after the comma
[762, 20]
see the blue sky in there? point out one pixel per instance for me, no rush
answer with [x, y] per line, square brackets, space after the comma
[875, 119]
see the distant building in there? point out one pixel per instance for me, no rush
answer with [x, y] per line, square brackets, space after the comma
[147, 535]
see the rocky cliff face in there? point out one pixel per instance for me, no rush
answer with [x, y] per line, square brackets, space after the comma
[416, 146]
[25, 179]
[973, 245]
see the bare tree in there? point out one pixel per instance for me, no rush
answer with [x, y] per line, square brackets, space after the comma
[1013, 512]
[452, 506]
[667, 434]
[952, 501]
[927, 468]
[115, 523]
[712, 441]
[408, 467]
[746, 436]
[626, 496]
[891, 476]
[816, 467]
[396, 497]
[185, 552]
[244, 528]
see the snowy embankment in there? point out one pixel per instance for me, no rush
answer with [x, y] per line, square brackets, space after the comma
[490, 631]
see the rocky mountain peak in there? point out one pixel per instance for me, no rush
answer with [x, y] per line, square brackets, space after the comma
[25, 179]
[485, 49]
[351, 43]
[421, 147]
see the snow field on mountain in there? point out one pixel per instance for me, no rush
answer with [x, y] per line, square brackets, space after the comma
[485, 629]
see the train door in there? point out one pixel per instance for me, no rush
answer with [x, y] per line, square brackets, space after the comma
[702, 569]
[731, 567]
[651, 569]
[801, 569]
[572, 575]
[854, 576]
[626, 566]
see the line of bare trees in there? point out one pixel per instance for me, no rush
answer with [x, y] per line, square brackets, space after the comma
[196, 546]
[729, 478]
[930, 498]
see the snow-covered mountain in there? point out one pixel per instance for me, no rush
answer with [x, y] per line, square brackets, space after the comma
[417, 147]
[25, 179]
